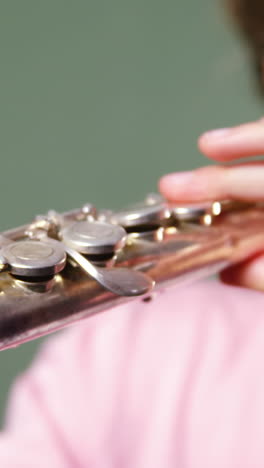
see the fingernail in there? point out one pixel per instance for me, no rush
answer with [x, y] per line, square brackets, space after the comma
[181, 178]
[218, 133]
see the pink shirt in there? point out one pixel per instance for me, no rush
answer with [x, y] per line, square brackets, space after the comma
[177, 382]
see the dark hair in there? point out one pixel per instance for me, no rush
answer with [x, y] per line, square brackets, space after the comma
[249, 16]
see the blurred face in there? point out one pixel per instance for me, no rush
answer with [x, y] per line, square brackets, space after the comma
[249, 15]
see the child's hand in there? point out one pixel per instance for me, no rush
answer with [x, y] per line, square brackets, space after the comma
[237, 181]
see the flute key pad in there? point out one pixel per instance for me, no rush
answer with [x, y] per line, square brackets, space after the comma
[94, 237]
[34, 258]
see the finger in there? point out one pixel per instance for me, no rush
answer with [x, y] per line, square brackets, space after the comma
[249, 274]
[233, 143]
[241, 182]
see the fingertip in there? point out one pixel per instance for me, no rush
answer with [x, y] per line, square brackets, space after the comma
[163, 181]
[212, 146]
[173, 186]
[166, 187]
[227, 144]
[162, 186]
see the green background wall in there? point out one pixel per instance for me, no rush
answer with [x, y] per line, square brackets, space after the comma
[98, 98]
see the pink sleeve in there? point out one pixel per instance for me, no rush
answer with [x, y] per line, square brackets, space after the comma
[175, 382]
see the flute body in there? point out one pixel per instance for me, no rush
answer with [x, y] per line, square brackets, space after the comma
[62, 268]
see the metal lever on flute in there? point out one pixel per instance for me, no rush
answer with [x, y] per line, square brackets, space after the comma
[120, 281]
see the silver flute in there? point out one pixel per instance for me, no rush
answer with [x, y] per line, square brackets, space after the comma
[62, 268]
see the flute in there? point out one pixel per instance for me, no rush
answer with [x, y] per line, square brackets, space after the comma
[62, 268]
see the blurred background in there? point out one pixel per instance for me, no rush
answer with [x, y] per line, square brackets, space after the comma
[99, 98]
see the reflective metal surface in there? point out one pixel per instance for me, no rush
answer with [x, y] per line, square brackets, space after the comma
[146, 214]
[120, 281]
[94, 237]
[188, 249]
[34, 258]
